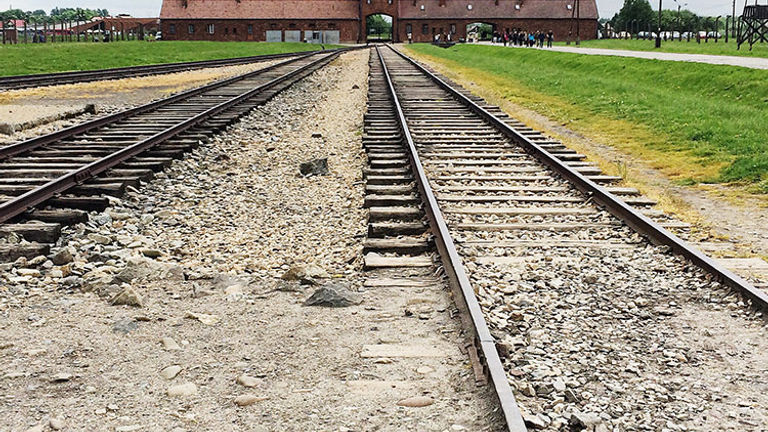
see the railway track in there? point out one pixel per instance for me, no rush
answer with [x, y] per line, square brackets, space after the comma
[528, 231]
[56, 179]
[42, 80]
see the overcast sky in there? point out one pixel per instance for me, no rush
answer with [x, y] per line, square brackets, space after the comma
[148, 8]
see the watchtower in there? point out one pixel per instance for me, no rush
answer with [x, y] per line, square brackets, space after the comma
[753, 27]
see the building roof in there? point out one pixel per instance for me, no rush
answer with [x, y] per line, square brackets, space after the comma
[349, 9]
[528, 9]
[260, 9]
[17, 23]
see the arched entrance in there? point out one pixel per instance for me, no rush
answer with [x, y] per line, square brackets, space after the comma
[480, 31]
[378, 28]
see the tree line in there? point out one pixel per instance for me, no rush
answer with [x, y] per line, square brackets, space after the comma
[56, 14]
[640, 16]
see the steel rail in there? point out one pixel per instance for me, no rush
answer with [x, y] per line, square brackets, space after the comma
[24, 146]
[22, 203]
[633, 218]
[452, 263]
[56, 78]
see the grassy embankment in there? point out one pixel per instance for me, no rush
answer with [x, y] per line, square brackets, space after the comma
[28, 59]
[711, 48]
[694, 122]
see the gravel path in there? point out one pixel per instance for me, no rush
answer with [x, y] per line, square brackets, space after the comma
[220, 341]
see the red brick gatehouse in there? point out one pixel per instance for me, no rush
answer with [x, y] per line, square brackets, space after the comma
[333, 21]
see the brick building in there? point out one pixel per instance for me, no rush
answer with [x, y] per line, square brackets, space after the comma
[334, 21]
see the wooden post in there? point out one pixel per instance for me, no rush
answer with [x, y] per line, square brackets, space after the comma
[578, 22]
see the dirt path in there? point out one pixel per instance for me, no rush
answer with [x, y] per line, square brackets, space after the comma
[218, 326]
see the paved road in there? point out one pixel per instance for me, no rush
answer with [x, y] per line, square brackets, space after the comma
[747, 62]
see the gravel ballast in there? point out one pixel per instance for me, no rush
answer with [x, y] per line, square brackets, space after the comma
[182, 307]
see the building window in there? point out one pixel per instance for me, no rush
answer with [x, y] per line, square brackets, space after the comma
[424, 29]
[210, 28]
[250, 29]
[408, 28]
[226, 30]
[234, 30]
[191, 29]
[453, 28]
[172, 29]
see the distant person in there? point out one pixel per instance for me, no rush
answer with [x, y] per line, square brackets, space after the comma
[550, 38]
[531, 39]
[410, 38]
[542, 37]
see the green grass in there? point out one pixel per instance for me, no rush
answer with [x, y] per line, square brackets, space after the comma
[712, 48]
[700, 122]
[29, 59]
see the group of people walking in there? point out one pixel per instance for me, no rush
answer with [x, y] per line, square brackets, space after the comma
[521, 38]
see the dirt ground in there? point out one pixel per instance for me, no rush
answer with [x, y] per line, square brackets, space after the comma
[218, 328]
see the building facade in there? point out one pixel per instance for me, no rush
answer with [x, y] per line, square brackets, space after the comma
[344, 21]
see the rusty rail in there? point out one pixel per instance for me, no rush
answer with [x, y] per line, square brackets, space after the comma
[24, 146]
[58, 78]
[633, 218]
[464, 293]
[22, 203]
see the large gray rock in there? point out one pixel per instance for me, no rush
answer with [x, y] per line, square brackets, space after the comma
[125, 326]
[314, 167]
[333, 295]
[64, 256]
[581, 420]
[129, 297]
[536, 421]
[143, 268]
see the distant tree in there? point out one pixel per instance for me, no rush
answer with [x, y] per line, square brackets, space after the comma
[639, 11]
[376, 24]
[13, 14]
